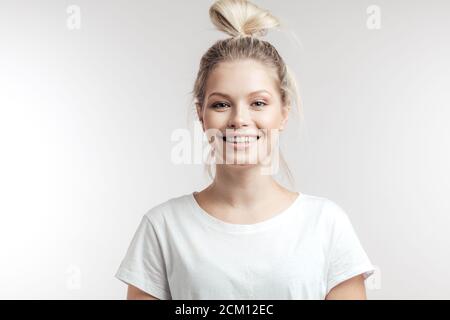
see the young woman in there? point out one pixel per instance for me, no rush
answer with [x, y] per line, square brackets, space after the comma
[244, 236]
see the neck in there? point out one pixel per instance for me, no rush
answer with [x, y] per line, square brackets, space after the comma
[243, 186]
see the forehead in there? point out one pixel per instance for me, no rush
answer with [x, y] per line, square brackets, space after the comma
[240, 77]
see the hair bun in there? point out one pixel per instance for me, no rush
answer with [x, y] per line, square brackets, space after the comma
[240, 18]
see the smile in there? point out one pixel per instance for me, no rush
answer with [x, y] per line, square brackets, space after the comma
[240, 139]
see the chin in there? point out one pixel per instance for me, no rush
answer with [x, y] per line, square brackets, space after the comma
[241, 165]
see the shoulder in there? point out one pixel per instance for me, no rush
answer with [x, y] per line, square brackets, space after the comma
[163, 211]
[324, 209]
[333, 210]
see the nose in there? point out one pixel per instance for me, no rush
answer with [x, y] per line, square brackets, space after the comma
[239, 117]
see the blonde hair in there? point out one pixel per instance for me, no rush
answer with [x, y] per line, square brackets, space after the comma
[245, 23]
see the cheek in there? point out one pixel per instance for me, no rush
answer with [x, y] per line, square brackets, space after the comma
[269, 119]
[214, 119]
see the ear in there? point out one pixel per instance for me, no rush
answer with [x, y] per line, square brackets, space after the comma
[285, 115]
[200, 114]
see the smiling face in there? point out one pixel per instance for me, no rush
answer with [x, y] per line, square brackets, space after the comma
[242, 98]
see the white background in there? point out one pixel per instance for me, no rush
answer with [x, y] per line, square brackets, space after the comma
[86, 118]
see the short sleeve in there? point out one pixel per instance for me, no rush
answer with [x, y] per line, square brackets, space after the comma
[143, 265]
[347, 257]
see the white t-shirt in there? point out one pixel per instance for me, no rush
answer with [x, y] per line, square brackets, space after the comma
[180, 251]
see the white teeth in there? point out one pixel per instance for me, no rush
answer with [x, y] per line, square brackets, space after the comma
[240, 139]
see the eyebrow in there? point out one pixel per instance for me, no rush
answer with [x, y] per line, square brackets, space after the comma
[227, 96]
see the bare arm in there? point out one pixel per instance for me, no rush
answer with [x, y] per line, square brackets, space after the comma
[351, 289]
[134, 293]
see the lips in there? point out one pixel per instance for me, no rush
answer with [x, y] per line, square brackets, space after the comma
[240, 139]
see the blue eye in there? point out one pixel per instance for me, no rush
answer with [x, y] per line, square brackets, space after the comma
[223, 105]
[216, 106]
[260, 106]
